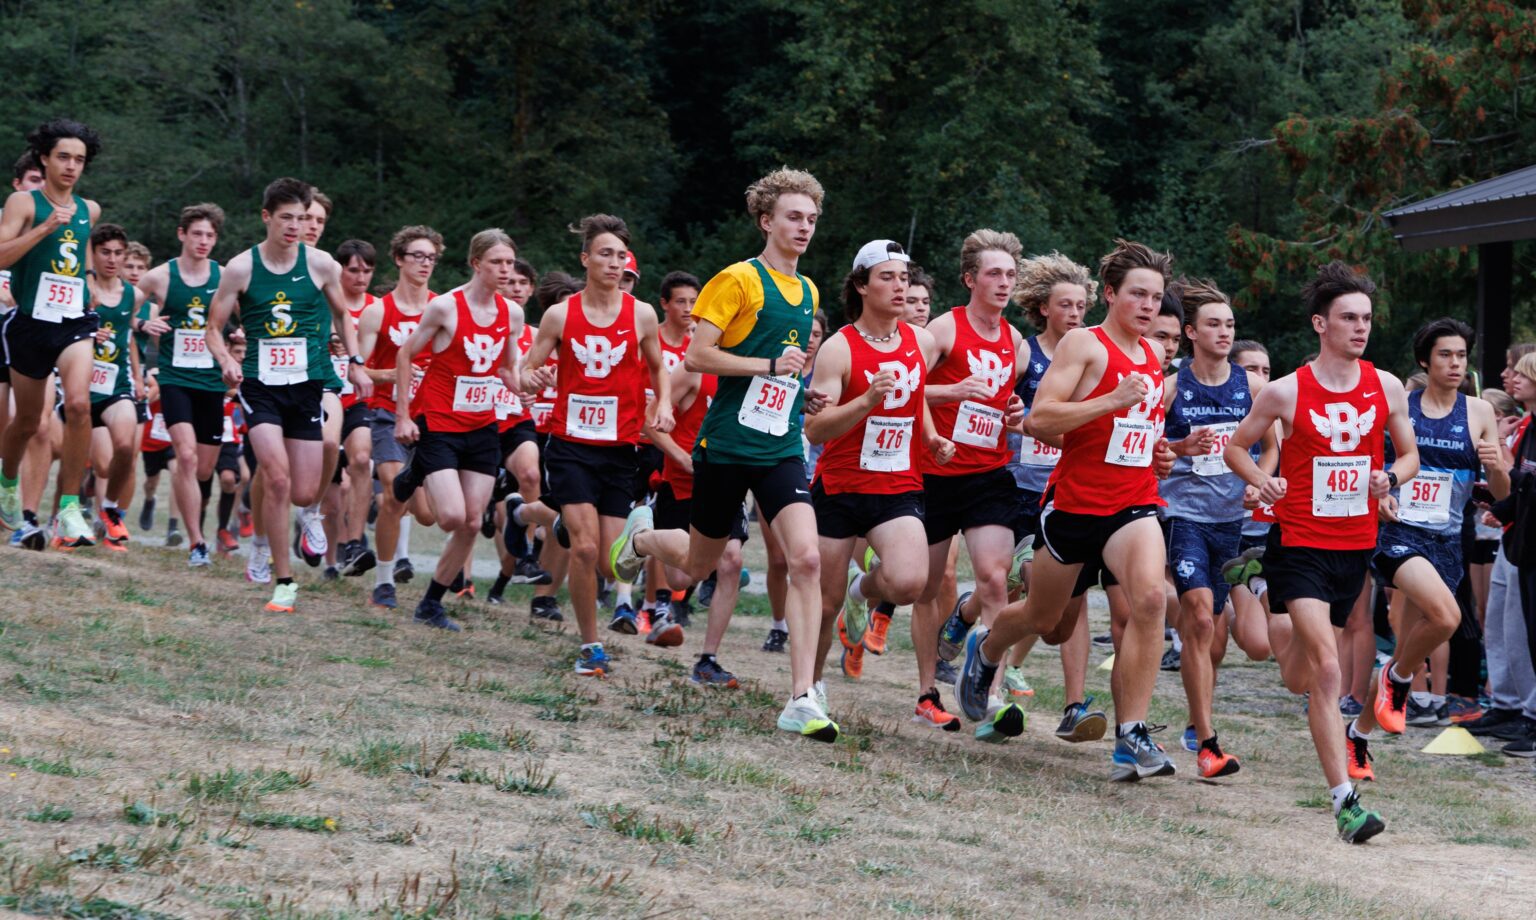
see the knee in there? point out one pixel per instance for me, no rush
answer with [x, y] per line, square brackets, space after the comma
[1196, 626]
[804, 565]
[77, 409]
[452, 522]
[583, 550]
[1445, 617]
[901, 589]
[730, 562]
[1149, 605]
[993, 586]
[357, 467]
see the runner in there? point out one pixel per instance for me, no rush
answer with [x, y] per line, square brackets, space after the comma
[1103, 397]
[456, 449]
[229, 466]
[288, 293]
[42, 235]
[1204, 401]
[383, 328]
[869, 479]
[919, 299]
[116, 381]
[192, 387]
[754, 319]
[553, 555]
[135, 266]
[597, 417]
[155, 447]
[313, 537]
[1334, 411]
[970, 389]
[350, 488]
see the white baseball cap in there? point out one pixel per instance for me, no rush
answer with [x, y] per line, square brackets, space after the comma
[874, 252]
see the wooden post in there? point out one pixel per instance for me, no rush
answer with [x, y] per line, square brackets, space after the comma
[1495, 279]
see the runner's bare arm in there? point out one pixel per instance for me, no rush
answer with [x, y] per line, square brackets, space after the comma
[16, 240]
[1485, 429]
[328, 271]
[368, 326]
[1404, 441]
[706, 357]
[647, 327]
[153, 284]
[234, 278]
[1269, 445]
[434, 319]
[1054, 411]
[831, 377]
[535, 375]
[1273, 404]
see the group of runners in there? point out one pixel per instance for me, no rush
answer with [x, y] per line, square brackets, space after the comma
[616, 442]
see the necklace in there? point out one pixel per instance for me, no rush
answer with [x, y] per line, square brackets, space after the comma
[766, 261]
[877, 339]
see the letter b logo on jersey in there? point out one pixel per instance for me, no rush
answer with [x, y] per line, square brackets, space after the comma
[482, 351]
[1344, 427]
[402, 331]
[989, 367]
[906, 383]
[598, 356]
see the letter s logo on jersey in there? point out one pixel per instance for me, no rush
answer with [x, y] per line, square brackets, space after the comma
[1343, 426]
[598, 356]
[906, 383]
[402, 331]
[68, 251]
[989, 367]
[482, 351]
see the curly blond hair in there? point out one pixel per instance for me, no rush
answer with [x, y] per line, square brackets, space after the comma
[763, 194]
[1039, 275]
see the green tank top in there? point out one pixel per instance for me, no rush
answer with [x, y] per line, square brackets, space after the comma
[55, 267]
[110, 376]
[287, 318]
[733, 431]
[148, 349]
[184, 357]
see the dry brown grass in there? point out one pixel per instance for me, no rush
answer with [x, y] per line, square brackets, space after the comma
[218, 761]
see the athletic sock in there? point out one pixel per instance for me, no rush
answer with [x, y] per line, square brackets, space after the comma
[1392, 675]
[385, 573]
[1437, 700]
[285, 581]
[1422, 699]
[1178, 644]
[436, 590]
[781, 625]
[517, 516]
[226, 507]
[1211, 744]
[108, 503]
[623, 594]
[8, 482]
[171, 524]
[500, 584]
[1355, 732]
[981, 653]
[403, 545]
[1340, 792]
[30, 517]
[856, 589]
[68, 501]
[1258, 586]
[1125, 728]
[259, 542]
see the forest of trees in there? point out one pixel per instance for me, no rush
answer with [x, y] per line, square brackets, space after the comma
[1252, 138]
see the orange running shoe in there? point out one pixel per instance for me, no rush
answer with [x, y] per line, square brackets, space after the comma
[643, 621]
[112, 523]
[1391, 706]
[1358, 758]
[247, 525]
[874, 637]
[842, 633]
[853, 662]
[228, 545]
[1216, 763]
[930, 712]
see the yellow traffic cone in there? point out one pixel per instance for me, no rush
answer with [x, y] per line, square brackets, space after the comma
[1108, 664]
[1454, 740]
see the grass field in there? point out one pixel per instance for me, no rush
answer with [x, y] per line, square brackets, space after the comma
[170, 750]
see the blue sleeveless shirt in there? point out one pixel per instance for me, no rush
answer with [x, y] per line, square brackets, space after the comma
[1448, 465]
[1203, 488]
[1029, 472]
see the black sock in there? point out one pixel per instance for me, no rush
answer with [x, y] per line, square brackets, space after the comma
[436, 590]
[204, 486]
[458, 583]
[30, 517]
[170, 525]
[226, 506]
[1210, 744]
[500, 584]
[886, 607]
[706, 657]
[285, 581]
[663, 596]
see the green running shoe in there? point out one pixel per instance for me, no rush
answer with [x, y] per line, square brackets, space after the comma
[855, 614]
[622, 558]
[805, 718]
[1015, 684]
[1003, 721]
[1356, 825]
[10, 507]
[1246, 566]
[1023, 551]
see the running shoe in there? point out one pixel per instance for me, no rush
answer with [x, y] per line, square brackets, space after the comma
[30, 535]
[1521, 747]
[803, 716]
[1214, 763]
[409, 479]
[1356, 825]
[258, 564]
[1003, 721]
[706, 590]
[562, 536]
[975, 678]
[1191, 743]
[879, 627]
[515, 535]
[868, 560]
[1248, 565]
[1079, 723]
[931, 712]
[819, 692]
[946, 673]
[855, 614]
[173, 537]
[1515, 730]
[593, 661]
[1138, 757]
[643, 621]
[147, 514]
[228, 545]
[384, 596]
[1014, 683]
[665, 632]
[546, 609]
[198, 557]
[1461, 709]
[1171, 659]
[1391, 701]
[708, 673]
[247, 523]
[1349, 707]
[360, 560]
[1421, 716]
[312, 541]
[624, 620]
[527, 572]
[682, 612]
[283, 598]
[431, 613]
[622, 558]
[775, 641]
[1357, 757]
[70, 530]
[465, 588]
[112, 523]
[331, 573]
[488, 522]
[852, 662]
[1023, 551]
[952, 633]
[404, 571]
[1104, 641]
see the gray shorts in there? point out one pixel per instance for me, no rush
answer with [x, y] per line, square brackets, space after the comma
[385, 448]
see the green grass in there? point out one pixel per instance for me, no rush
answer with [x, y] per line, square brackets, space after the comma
[234, 785]
[136, 854]
[147, 815]
[535, 779]
[376, 757]
[819, 833]
[61, 767]
[64, 905]
[314, 824]
[48, 814]
[360, 662]
[631, 822]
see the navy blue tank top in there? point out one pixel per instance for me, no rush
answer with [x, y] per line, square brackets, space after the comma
[1032, 462]
[1203, 488]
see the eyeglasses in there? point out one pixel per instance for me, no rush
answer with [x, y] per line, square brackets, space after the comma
[425, 258]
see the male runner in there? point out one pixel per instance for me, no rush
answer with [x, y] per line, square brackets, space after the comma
[283, 289]
[1334, 411]
[116, 380]
[191, 385]
[869, 478]
[346, 502]
[136, 261]
[919, 299]
[43, 237]
[385, 325]
[608, 345]
[312, 538]
[754, 321]
[1103, 397]
[453, 429]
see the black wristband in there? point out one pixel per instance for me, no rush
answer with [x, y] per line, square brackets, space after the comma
[1391, 479]
[773, 367]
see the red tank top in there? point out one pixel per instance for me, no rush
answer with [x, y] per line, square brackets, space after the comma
[342, 365]
[879, 455]
[1336, 440]
[601, 378]
[1106, 463]
[685, 431]
[671, 360]
[544, 402]
[394, 328]
[156, 436]
[510, 408]
[458, 392]
[976, 427]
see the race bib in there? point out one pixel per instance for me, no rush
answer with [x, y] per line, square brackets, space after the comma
[191, 349]
[887, 445]
[1037, 453]
[229, 429]
[342, 365]
[595, 418]
[474, 394]
[1131, 442]
[508, 404]
[417, 375]
[977, 425]
[104, 378]
[541, 413]
[1426, 498]
[283, 362]
[1215, 463]
[157, 429]
[767, 405]
[1339, 486]
[59, 297]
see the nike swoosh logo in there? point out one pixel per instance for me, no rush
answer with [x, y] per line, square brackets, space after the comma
[909, 354]
[622, 332]
[1368, 395]
[298, 277]
[315, 419]
[807, 312]
[801, 492]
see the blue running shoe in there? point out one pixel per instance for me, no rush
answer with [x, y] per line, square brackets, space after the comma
[1137, 757]
[975, 682]
[594, 662]
[945, 673]
[624, 620]
[952, 635]
[1349, 707]
[1191, 743]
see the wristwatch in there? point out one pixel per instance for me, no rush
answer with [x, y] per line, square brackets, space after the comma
[355, 359]
[1392, 479]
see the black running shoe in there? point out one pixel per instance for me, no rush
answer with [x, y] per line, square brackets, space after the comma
[682, 611]
[1489, 720]
[409, 479]
[706, 590]
[431, 613]
[527, 572]
[547, 609]
[383, 596]
[1170, 659]
[404, 571]
[946, 673]
[147, 515]
[775, 641]
[562, 536]
[515, 535]
[361, 560]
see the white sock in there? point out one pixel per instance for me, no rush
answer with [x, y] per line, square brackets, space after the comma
[1178, 644]
[622, 594]
[1437, 700]
[384, 572]
[1258, 586]
[517, 516]
[855, 589]
[1421, 699]
[1126, 728]
[1398, 678]
[649, 606]
[108, 503]
[781, 625]
[259, 542]
[313, 509]
[1340, 792]
[1355, 732]
[403, 545]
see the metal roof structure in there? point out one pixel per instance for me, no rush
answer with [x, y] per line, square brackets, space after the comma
[1495, 210]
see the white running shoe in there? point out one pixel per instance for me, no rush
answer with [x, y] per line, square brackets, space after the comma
[313, 530]
[258, 564]
[71, 531]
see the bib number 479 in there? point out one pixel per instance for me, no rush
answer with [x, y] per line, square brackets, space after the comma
[592, 416]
